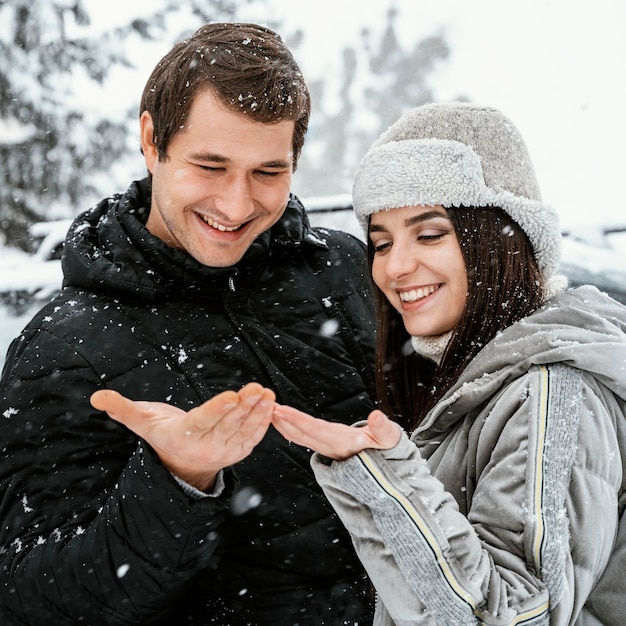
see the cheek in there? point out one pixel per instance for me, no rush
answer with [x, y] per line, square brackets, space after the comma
[183, 183]
[272, 197]
[279, 193]
[460, 296]
[378, 273]
[458, 272]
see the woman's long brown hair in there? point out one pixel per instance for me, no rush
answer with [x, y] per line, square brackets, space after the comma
[504, 285]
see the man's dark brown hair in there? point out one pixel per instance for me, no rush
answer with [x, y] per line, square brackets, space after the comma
[247, 67]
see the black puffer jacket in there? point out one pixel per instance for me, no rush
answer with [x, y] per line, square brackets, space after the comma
[94, 530]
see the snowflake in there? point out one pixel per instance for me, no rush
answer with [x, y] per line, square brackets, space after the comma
[182, 355]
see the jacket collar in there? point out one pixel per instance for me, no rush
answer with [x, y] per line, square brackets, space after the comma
[97, 253]
[580, 327]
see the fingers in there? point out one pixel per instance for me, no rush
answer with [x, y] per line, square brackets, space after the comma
[134, 414]
[292, 424]
[289, 415]
[233, 413]
[206, 416]
[108, 400]
[336, 441]
[285, 427]
[385, 432]
[310, 432]
[118, 407]
[253, 415]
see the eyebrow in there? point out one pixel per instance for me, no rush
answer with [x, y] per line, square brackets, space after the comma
[415, 219]
[218, 158]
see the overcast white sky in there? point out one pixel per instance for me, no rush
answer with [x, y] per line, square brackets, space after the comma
[556, 67]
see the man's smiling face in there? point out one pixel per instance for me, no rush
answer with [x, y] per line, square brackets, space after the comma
[225, 180]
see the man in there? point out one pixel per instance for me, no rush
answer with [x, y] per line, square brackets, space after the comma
[189, 294]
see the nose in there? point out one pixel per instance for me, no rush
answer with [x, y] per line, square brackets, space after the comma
[235, 201]
[401, 261]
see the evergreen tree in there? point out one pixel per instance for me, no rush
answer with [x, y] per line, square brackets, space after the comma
[53, 151]
[47, 149]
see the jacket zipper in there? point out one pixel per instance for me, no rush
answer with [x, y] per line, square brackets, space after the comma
[231, 281]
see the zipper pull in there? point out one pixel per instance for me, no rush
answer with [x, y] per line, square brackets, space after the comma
[231, 281]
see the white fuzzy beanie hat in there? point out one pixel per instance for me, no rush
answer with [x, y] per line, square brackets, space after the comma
[458, 154]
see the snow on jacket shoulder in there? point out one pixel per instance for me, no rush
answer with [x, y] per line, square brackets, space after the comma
[506, 505]
[94, 530]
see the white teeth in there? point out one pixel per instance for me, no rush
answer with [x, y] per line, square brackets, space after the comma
[417, 294]
[218, 226]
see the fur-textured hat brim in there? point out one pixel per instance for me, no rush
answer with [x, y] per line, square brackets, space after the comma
[458, 154]
[425, 172]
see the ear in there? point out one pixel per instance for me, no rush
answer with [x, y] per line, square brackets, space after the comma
[150, 152]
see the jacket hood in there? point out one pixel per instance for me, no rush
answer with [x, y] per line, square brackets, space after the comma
[109, 248]
[583, 328]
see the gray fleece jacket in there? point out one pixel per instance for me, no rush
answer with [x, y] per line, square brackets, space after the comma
[506, 505]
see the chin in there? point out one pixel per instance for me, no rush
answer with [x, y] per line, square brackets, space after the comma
[422, 331]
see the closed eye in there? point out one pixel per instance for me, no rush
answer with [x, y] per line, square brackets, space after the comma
[380, 247]
[428, 238]
[268, 174]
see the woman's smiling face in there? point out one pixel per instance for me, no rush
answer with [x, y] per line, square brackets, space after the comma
[419, 267]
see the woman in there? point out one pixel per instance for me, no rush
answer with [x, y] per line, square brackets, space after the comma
[505, 504]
